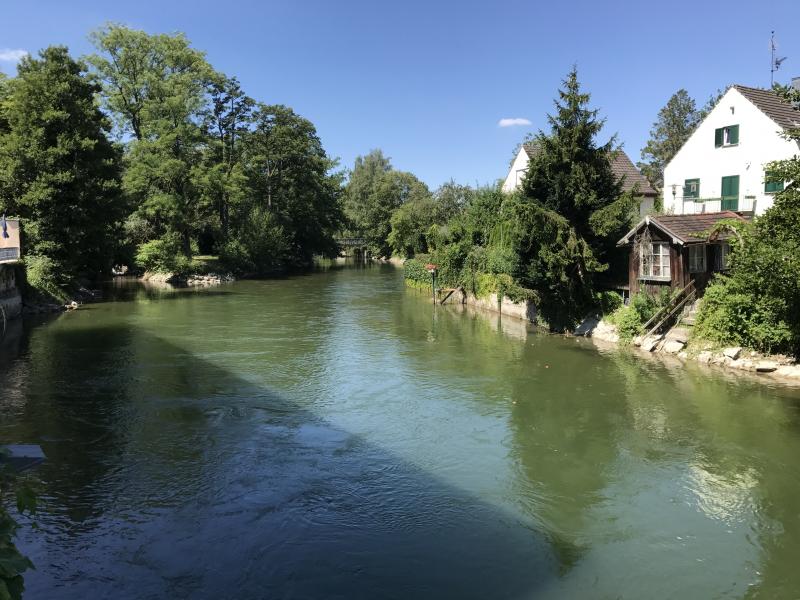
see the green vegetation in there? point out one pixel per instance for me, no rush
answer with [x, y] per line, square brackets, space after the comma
[12, 563]
[553, 242]
[675, 123]
[201, 167]
[631, 318]
[58, 170]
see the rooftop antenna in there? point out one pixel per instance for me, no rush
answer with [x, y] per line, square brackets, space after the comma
[775, 62]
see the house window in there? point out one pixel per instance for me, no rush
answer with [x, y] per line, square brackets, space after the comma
[722, 262]
[654, 261]
[730, 192]
[697, 258]
[726, 136]
[691, 188]
[771, 186]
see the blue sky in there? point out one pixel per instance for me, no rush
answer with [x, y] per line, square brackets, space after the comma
[428, 82]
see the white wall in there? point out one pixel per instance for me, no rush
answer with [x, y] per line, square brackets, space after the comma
[517, 172]
[759, 144]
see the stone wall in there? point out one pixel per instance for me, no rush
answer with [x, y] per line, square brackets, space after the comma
[10, 298]
[519, 310]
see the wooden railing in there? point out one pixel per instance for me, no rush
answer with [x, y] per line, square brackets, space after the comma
[666, 314]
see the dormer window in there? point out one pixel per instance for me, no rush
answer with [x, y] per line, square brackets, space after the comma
[726, 136]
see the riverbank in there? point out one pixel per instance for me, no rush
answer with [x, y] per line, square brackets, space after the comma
[679, 346]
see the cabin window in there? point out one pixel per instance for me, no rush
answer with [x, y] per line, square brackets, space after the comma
[697, 258]
[726, 136]
[691, 188]
[771, 186]
[723, 257]
[654, 261]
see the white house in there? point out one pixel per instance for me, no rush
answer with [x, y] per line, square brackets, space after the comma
[621, 165]
[722, 164]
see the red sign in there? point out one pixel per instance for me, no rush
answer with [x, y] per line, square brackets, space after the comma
[431, 267]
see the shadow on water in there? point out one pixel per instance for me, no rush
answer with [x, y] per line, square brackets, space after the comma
[170, 477]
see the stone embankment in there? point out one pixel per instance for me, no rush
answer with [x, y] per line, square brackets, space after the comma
[677, 343]
[187, 280]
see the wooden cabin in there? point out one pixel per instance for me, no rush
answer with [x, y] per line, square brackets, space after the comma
[669, 251]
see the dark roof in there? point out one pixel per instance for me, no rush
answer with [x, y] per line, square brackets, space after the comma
[621, 166]
[685, 229]
[768, 102]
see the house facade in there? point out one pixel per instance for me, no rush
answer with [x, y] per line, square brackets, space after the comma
[670, 251]
[621, 166]
[723, 165]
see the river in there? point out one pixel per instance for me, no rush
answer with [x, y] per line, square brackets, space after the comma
[335, 435]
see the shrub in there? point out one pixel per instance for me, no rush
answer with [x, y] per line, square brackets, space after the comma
[731, 316]
[163, 255]
[629, 319]
[45, 277]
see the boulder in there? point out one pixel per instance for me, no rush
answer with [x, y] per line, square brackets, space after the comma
[651, 343]
[673, 346]
[705, 357]
[791, 371]
[732, 353]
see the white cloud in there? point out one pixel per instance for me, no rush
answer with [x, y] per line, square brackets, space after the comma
[513, 122]
[10, 55]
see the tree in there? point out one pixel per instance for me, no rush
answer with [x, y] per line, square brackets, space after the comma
[676, 121]
[291, 177]
[58, 170]
[227, 122]
[573, 211]
[374, 191]
[157, 88]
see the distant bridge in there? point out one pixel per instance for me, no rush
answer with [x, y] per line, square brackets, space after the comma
[352, 242]
[353, 246]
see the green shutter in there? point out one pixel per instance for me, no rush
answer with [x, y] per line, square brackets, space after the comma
[691, 188]
[772, 186]
[730, 192]
[718, 137]
[733, 134]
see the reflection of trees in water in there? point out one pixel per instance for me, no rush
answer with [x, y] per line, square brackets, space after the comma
[567, 421]
[741, 443]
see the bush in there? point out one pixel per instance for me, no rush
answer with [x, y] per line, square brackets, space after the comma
[642, 307]
[731, 316]
[608, 302]
[415, 273]
[45, 277]
[260, 246]
[163, 255]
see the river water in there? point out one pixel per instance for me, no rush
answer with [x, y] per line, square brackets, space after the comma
[335, 435]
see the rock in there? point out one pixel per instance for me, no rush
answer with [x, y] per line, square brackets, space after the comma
[683, 355]
[651, 343]
[705, 357]
[673, 346]
[732, 353]
[606, 332]
[679, 334]
[637, 341]
[791, 371]
[766, 366]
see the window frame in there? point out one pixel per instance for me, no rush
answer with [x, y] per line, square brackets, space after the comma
[648, 266]
[723, 135]
[723, 251]
[697, 251]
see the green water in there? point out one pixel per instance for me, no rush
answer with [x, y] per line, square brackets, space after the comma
[337, 436]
